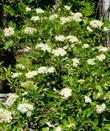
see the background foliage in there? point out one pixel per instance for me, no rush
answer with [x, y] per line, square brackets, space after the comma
[67, 42]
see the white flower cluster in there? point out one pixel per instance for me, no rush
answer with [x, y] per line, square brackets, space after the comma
[91, 61]
[65, 47]
[25, 49]
[53, 17]
[35, 18]
[20, 66]
[96, 24]
[50, 125]
[5, 116]
[25, 108]
[74, 17]
[70, 38]
[17, 74]
[43, 47]
[9, 31]
[29, 30]
[85, 46]
[87, 99]
[64, 20]
[100, 108]
[28, 9]
[58, 128]
[31, 74]
[11, 99]
[66, 92]
[39, 11]
[77, 16]
[51, 69]
[44, 69]
[67, 7]
[102, 49]
[101, 57]
[75, 62]
[59, 52]
[60, 38]
[81, 81]
[40, 70]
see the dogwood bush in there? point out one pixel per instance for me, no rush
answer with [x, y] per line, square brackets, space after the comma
[61, 77]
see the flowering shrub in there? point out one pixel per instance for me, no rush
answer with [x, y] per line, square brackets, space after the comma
[61, 76]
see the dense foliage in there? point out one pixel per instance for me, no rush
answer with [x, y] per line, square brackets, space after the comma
[61, 75]
[14, 10]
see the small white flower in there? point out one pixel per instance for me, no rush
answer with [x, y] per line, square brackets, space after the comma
[42, 70]
[9, 31]
[91, 61]
[67, 7]
[59, 52]
[15, 75]
[53, 17]
[102, 49]
[29, 30]
[25, 107]
[39, 11]
[96, 24]
[58, 128]
[81, 81]
[5, 116]
[89, 29]
[31, 74]
[64, 20]
[85, 46]
[11, 99]
[35, 18]
[100, 108]
[101, 57]
[76, 16]
[51, 69]
[60, 38]
[72, 39]
[25, 49]
[21, 66]
[87, 99]
[43, 47]
[28, 9]
[75, 62]
[66, 92]
[49, 124]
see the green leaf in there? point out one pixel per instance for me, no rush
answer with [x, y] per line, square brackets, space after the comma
[88, 112]
[8, 44]
[106, 126]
